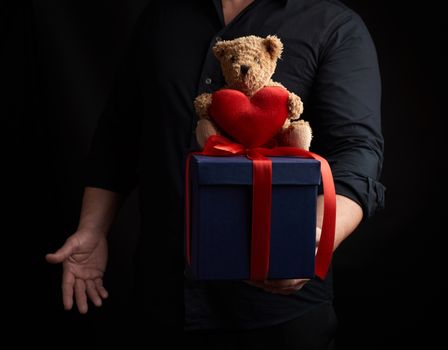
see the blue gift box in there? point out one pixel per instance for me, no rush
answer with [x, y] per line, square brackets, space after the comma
[221, 214]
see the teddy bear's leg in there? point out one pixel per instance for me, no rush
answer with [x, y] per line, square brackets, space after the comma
[297, 134]
[204, 129]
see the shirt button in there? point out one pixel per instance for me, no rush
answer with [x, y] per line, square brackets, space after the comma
[208, 81]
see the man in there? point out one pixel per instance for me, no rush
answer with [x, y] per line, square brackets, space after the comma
[147, 129]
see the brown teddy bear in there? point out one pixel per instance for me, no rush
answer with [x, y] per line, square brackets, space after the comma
[248, 64]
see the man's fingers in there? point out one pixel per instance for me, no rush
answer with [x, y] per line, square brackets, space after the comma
[80, 296]
[101, 290]
[284, 287]
[284, 291]
[279, 283]
[318, 234]
[301, 283]
[291, 283]
[93, 293]
[291, 289]
[68, 282]
[62, 253]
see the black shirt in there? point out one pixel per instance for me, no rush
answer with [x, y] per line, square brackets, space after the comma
[148, 127]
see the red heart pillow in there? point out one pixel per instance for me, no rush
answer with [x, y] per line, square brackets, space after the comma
[254, 121]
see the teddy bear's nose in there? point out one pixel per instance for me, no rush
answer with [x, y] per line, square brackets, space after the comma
[244, 69]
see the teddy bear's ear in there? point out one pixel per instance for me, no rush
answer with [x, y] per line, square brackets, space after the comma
[219, 49]
[274, 46]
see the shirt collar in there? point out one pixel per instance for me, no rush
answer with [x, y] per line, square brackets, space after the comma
[218, 7]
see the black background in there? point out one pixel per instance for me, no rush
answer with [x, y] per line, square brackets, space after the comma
[58, 59]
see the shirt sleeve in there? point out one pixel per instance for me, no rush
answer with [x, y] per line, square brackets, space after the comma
[112, 161]
[346, 110]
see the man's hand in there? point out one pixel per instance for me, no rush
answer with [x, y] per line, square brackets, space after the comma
[84, 259]
[348, 216]
[284, 287]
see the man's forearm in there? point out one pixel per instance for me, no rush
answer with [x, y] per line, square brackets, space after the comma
[99, 208]
[348, 216]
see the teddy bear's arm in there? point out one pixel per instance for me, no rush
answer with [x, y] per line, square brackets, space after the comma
[204, 129]
[202, 104]
[295, 105]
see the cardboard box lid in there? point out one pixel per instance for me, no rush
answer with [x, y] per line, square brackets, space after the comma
[238, 170]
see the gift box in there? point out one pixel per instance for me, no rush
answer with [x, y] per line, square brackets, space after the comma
[221, 201]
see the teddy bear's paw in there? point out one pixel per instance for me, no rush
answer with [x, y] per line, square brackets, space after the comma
[202, 104]
[299, 135]
[204, 129]
[295, 106]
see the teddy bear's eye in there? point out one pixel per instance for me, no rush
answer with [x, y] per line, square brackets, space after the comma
[233, 59]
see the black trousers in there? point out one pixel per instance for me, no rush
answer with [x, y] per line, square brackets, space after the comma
[315, 330]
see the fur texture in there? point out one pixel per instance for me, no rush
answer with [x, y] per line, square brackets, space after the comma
[248, 64]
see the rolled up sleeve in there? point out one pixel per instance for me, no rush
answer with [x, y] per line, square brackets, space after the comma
[346, 112]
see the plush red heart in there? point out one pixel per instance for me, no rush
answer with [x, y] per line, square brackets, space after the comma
[254, 121]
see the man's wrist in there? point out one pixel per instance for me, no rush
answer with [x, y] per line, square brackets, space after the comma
[93, 231]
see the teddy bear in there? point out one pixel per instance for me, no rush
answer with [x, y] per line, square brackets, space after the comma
[247, 64]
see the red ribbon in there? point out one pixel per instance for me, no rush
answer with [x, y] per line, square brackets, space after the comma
[262, 200]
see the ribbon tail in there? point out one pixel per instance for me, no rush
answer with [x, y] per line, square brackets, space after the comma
[326, 243]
